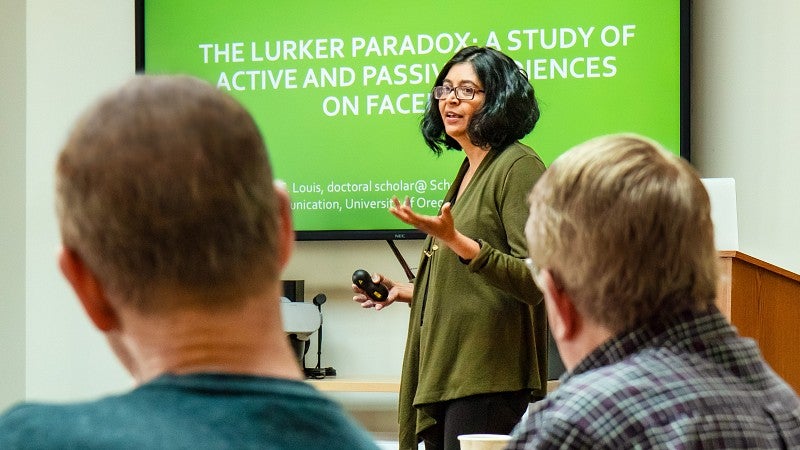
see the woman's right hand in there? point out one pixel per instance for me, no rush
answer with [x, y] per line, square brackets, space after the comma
[400, 292]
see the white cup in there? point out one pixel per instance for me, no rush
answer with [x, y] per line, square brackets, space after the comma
[483, 441]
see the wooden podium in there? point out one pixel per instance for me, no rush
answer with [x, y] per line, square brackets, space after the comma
[763, 302]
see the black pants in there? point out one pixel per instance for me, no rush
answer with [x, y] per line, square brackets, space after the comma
[495, 413]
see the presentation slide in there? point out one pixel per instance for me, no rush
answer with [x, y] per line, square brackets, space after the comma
[338, 88]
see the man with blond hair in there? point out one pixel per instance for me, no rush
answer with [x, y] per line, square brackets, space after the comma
[621, 244]
[174, 239]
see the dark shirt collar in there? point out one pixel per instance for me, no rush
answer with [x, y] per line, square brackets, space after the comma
[688, 330]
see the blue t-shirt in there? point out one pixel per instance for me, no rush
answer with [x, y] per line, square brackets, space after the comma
[200, 411]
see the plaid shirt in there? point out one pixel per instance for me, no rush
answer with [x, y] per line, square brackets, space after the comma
[686, 383]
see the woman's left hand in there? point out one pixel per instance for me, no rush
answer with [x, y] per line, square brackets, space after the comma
[440, 227]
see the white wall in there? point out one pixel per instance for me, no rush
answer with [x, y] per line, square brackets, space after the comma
[75, 51]
[744, 114]
[12, 201]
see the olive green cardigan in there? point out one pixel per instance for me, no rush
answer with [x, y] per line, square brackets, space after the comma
[477, 326]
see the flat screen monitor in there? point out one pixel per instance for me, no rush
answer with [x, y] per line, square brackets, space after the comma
[338, 88]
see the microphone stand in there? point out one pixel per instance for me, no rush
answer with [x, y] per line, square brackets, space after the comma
[318, 372]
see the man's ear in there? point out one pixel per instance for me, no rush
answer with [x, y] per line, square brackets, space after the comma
[88, 290]
[286, 227]
[562, 316]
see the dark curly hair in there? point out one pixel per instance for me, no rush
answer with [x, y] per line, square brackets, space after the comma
[510, 110]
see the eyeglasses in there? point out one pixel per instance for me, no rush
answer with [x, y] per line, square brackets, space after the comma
[462, 92]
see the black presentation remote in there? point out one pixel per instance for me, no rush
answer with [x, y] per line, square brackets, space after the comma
[363, 280]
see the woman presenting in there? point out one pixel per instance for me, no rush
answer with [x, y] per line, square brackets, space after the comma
[476, 352]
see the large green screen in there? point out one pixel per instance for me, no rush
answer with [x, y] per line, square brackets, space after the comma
[338, 88]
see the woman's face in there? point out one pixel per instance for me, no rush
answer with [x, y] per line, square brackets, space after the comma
[457, 113]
